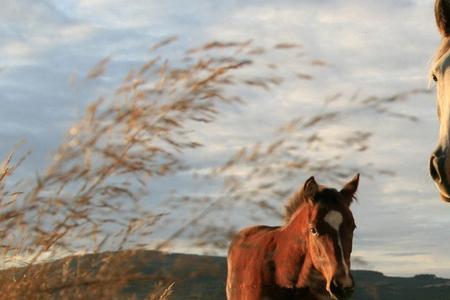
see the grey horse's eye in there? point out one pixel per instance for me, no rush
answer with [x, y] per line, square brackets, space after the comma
[435, 78]
[314, 231]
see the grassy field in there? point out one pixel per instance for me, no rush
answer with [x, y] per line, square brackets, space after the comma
[194, 277]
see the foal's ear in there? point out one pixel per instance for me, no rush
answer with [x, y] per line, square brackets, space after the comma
[442, 14]
[310, 189]
[349, 189]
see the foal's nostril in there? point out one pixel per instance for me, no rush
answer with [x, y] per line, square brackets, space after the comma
[334, 284]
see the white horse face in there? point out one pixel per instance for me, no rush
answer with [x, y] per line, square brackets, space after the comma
[440, 158]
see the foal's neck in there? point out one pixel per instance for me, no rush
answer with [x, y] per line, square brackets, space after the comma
[292, 262]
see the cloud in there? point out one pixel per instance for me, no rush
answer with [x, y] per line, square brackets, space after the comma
[16, 50]
[42, 28]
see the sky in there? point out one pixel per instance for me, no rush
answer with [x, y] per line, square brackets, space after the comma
[373, 47]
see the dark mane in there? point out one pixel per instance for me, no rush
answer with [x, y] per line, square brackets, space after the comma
[325, 195]
[293, 203]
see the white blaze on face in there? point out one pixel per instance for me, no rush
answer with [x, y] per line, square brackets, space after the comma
[334, 219]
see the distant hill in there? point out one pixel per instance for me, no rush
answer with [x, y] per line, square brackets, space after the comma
[203, 277]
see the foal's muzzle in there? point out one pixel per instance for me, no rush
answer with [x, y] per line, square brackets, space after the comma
[340, 292]
[438, 172]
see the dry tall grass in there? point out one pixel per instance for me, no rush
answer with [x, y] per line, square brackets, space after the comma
[92, 197]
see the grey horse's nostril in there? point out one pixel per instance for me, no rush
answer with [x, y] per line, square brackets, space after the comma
[434, 169]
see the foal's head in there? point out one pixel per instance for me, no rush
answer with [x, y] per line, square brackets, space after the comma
[330, 227]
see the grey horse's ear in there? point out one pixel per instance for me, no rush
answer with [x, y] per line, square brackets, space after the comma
[349, 189]
[310, 189]
[442, 14]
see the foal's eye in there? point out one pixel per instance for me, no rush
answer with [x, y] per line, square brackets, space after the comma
[435, 78]
[314, 231]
